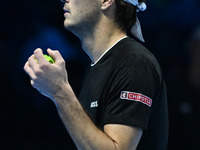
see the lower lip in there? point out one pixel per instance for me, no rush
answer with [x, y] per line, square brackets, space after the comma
[66, 13]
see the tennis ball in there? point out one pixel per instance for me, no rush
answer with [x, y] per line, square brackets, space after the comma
[48, 58]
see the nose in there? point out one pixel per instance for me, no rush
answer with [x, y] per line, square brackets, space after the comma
[65, 1]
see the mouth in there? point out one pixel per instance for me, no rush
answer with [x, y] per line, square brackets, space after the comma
[65, 10]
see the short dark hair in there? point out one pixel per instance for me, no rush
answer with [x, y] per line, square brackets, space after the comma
[125, 16]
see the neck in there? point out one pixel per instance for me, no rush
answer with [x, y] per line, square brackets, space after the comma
[102, 38]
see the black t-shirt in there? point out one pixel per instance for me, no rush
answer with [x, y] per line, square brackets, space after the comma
[126, 87]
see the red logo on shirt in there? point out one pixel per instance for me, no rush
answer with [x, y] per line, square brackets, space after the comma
[136, 97]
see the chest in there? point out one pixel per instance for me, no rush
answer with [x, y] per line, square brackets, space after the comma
[95, 90]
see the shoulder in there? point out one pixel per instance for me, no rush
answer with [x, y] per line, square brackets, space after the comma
[132, 58]
[130, 51]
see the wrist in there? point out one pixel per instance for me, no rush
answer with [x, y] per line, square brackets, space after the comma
[65, 94]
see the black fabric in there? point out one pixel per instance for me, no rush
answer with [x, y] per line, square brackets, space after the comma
[128, 66]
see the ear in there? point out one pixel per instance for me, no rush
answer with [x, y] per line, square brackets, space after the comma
[107, 4]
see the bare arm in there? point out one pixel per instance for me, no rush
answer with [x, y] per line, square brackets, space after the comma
[87, 136]
[51, 80]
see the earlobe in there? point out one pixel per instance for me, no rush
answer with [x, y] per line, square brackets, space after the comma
[106, 4]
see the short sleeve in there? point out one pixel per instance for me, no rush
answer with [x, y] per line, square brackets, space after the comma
[132, 91]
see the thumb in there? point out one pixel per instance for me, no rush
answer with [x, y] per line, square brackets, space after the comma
[55, 54]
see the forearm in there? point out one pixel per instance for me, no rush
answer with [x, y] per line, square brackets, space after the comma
[82, 130]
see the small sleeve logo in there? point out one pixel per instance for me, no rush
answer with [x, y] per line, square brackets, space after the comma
[132, 96]
[94, 104]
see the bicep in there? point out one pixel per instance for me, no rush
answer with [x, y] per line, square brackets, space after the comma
[125, 137]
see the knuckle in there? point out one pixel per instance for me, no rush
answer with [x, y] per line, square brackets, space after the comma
[32, 56]
[26, 70]
[25, 67]
[29, 58]
[62, 62]
[56, 51]
[38, 72]
[43, 66]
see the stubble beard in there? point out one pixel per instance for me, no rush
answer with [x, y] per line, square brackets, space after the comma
[86, 20]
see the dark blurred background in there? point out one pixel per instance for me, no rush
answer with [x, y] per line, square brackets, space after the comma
[29, 121]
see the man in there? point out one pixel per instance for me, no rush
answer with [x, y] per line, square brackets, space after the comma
[122, 104]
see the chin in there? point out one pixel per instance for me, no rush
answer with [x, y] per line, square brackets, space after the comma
[66, 24]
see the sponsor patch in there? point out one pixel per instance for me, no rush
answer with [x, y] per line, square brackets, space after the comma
[136, 97]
